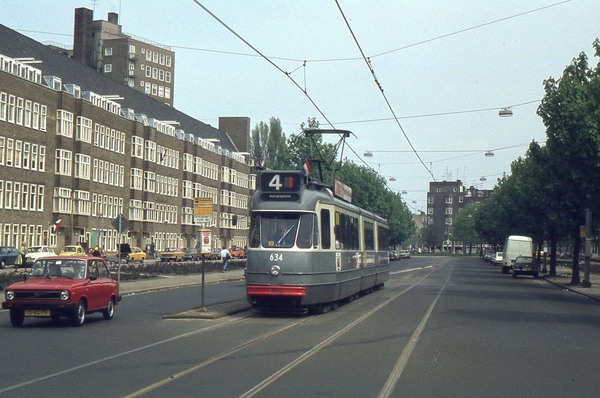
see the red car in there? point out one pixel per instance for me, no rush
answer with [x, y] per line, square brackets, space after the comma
[63, 286]
[237, 253]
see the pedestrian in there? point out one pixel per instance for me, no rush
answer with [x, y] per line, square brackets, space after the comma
[225, 256]
[20, 260]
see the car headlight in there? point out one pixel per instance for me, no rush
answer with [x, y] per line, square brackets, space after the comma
[64, 295]
[275, 270]
[10, 294]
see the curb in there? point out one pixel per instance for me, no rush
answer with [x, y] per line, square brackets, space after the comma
[213, 312]
[571, 289]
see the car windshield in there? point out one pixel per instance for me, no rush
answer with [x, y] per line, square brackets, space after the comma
[34, 249]
[279, 230]
[58, 268]
[70, 249]
[524, 260]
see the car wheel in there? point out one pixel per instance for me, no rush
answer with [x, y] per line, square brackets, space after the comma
[535, 275]
[79, 314]
[109, 312]
[2, 264]
[17, 317]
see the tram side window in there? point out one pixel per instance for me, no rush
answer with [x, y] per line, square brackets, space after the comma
[346, 231]
[305, 232]
[369, 235]
[383, 240]
[255, 231]
[325, 229]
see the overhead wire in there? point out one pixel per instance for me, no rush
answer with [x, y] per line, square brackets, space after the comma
[288, 74]
[368, 62]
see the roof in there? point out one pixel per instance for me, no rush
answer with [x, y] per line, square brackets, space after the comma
[16, 45]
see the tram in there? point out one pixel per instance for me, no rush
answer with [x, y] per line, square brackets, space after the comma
[309, 247]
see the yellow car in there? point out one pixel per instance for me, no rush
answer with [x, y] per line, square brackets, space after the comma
[171, 254]
[136, 254]
[72, 250]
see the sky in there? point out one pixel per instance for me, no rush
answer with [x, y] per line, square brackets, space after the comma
[446, 68]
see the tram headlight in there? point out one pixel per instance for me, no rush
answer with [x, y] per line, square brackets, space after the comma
[275, 270]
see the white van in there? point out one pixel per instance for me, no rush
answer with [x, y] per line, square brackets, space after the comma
[515, 246]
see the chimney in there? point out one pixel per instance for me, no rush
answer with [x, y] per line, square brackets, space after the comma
[113, 18]
[83, 35]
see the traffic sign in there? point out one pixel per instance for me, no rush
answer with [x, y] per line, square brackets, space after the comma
[120, 223]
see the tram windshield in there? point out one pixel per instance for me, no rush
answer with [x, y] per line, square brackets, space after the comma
[274, 230]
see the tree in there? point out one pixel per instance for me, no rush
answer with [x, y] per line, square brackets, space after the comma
[570, 111]
[268, 144]
[431, 235]
[464, 227]
[319, 154]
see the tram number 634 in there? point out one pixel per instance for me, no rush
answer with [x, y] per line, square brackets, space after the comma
[276, 257]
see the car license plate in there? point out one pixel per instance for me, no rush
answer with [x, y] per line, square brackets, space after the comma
[37, 312]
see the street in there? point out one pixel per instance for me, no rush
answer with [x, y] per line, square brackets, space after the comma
[442, 326]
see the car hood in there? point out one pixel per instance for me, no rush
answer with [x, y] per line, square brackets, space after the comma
[47, 284]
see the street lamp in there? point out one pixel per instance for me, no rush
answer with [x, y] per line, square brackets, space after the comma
[505, 112]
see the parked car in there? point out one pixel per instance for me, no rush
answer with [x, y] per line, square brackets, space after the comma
[497, 258]
[8, 255]
[394, 255]
[171, 254]
[525, 265]
[35, 252]
[237, 253]
[136, 254]
[72, 250]
[61, 286]
[404, 254]
[215, 254]
[124, 251]
[192, 254]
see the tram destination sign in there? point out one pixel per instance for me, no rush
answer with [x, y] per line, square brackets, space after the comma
[280, 185]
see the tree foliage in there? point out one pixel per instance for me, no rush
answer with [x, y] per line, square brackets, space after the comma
[268, 144]
[548, 190]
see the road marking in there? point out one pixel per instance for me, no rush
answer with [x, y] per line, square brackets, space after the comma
[402, 361]
[410, 270]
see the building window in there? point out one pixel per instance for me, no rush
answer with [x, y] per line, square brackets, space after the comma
[168, 61]
[449, 199]
[108, 51]
[64, 123]
[430, 210]
[83, 130]
[107, 68]
[430, 199]
[448, 210]
[3, 105]
[82, 166]
[168, 77]
[63, 162]
[439, 190]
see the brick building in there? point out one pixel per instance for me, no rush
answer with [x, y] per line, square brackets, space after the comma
[445, 200]
[141, 64]
[80, 147]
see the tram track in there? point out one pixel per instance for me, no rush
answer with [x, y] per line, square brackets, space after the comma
[387, 388]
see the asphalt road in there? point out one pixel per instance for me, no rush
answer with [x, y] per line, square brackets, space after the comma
[441, 327]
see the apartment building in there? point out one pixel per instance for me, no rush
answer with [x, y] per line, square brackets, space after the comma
[445, 199]
[138, 63]
[78, 149]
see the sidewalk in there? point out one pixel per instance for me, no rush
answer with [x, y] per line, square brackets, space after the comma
[563, 280]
